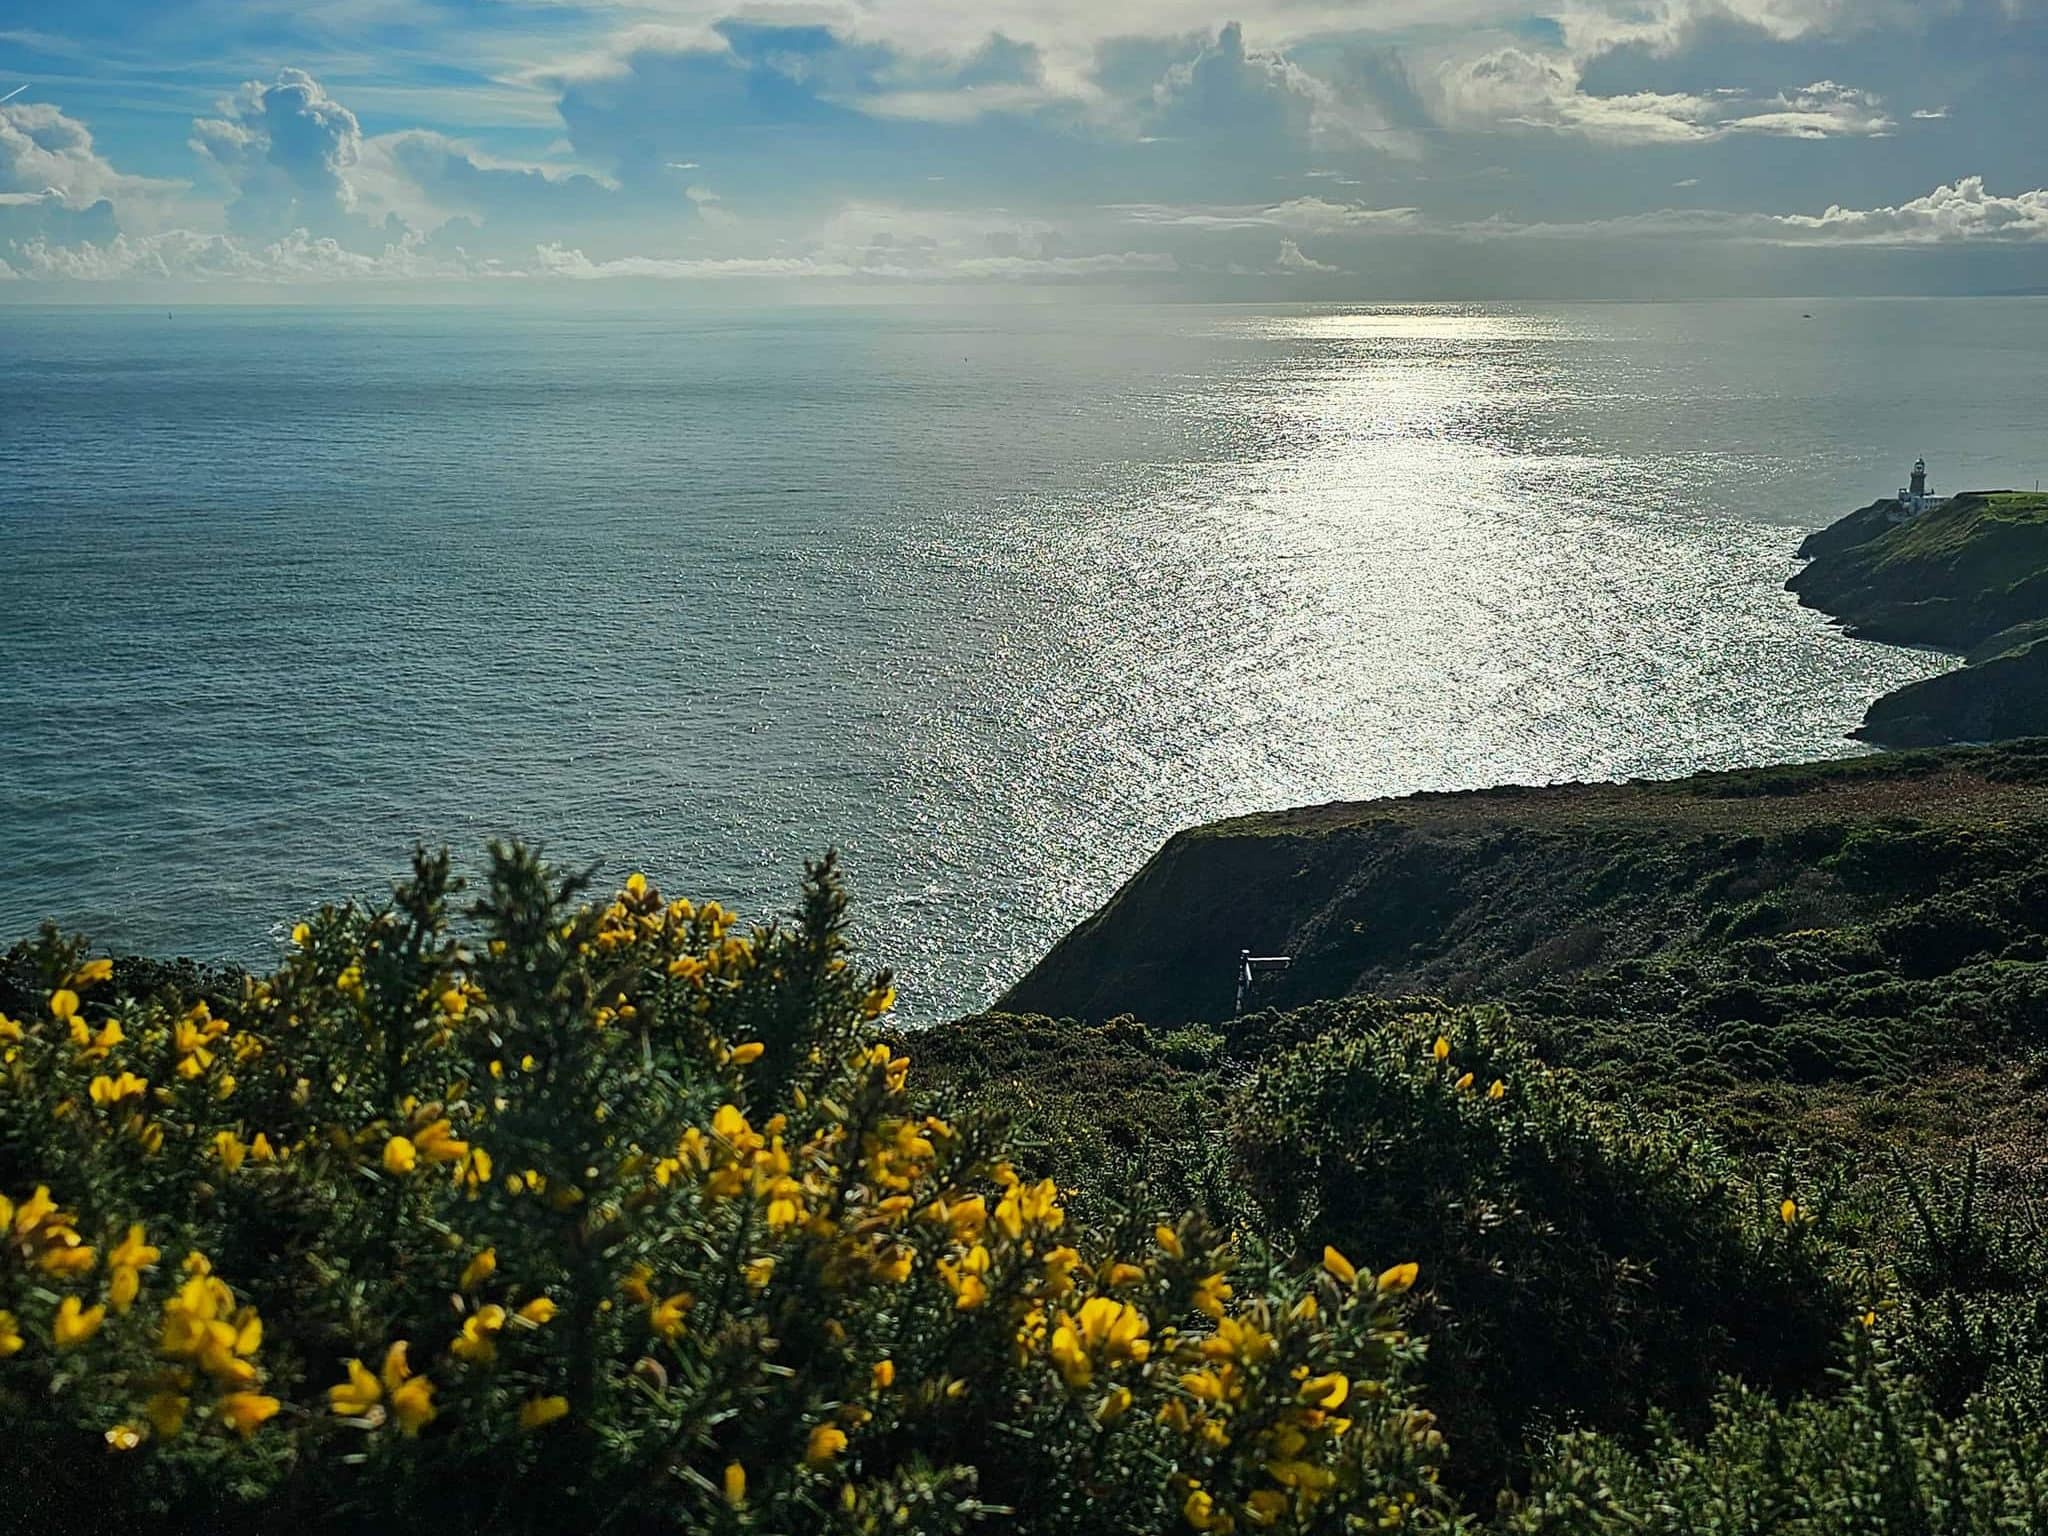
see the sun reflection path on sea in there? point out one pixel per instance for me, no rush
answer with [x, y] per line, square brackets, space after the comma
[994, 599]
[1400, 570]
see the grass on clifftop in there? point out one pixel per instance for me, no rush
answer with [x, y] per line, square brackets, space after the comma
[1979, 526]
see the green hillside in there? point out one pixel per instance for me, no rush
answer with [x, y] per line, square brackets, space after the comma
[1767, 945]
[1969, 576]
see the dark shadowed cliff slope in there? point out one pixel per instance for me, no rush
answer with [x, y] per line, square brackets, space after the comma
[1493, 892]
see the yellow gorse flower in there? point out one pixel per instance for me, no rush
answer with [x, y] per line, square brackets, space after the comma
[358, 1395]
[75, 1323]
[130, 1257]
[542, 1411]
[479, 1269]
[1104, 1332]
[475, 1343]
[826, 1442]
[243, 1412]
[112, 1092]
[1030, 1208]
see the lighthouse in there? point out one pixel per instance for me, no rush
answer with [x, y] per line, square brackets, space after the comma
[1914, 498]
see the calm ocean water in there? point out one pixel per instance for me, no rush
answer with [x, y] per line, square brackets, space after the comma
[993, 600]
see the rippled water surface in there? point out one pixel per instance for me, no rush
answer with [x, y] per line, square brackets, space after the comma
[992, 599]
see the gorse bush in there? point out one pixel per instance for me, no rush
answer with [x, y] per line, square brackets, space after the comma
[608, 1216]
[1585, 1265]
[1873, 1459]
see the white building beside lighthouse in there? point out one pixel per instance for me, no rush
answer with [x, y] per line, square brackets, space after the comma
[1914, 498]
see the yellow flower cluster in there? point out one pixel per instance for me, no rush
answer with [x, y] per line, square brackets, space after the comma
[676, 1200]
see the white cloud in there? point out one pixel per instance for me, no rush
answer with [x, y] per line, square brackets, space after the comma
[183, 255]
[568, 262]
[45, 153]
[1520, 89]
[872, 263]
[1964, 213]
[1956, 215]
[287, 149]
[1823, 110]
[1292, 262]
[1310, 214]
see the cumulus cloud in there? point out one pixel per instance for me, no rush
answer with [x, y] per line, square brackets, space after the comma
[1231, 92]
[1292, 262]
[1665, 26]
[287, 149]
[1823, 110]
[182, 255]
[1962, 213]
[430, 179]
[56, 186]
[1518, 88]
[1309, 214]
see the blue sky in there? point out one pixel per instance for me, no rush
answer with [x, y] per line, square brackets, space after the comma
[1376, 148]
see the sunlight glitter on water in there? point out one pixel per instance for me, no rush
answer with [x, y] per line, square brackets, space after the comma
[994, 601]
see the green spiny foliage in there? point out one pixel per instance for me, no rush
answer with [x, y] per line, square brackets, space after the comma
[611, 1216]
[1873, 1458]
[1584, 1265]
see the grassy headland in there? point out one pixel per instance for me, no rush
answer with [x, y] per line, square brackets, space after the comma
[1969, 576]
[1852, 951]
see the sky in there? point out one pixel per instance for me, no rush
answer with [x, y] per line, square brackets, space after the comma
[1310, 149]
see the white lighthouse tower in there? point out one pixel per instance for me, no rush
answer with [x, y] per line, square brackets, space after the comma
[1914, 498]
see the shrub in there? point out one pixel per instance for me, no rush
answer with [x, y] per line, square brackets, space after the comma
[1876, 1459]
[613, 1217]
[1585, 1265]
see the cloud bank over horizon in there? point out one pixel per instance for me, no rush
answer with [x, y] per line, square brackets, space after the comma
[1395, 148]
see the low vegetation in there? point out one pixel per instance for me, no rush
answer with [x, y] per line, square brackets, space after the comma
[610, 1216]
[534, 1212]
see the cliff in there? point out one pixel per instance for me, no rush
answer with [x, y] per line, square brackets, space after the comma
[1771, 942]
[1970, 576]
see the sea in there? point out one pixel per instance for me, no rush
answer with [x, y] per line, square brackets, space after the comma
[993, 597]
